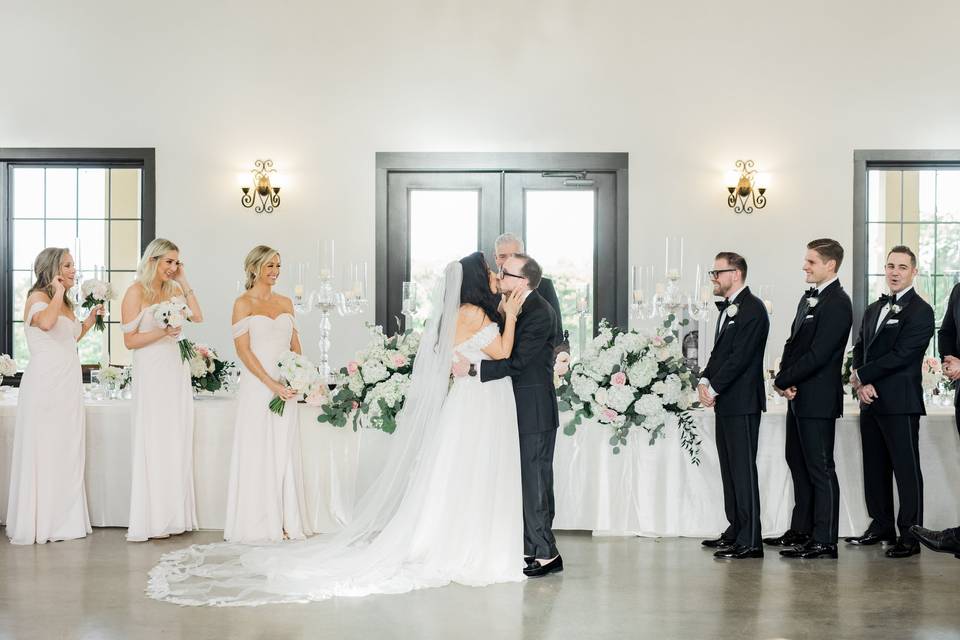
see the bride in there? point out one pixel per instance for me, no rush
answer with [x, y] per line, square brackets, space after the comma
[447, 505]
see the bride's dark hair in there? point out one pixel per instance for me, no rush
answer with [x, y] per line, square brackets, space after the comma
[475, 286]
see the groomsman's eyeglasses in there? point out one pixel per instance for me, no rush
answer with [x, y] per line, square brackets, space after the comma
[716, 272]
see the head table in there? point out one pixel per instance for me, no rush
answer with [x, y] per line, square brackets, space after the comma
[643, 490]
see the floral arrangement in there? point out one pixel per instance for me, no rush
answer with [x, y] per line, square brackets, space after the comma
[175, 313]
[95, 292]
[208, 372]
[632, 378]
[115, 377]
[298, 373]
[376, 383]
[8, 366]
[932, 375]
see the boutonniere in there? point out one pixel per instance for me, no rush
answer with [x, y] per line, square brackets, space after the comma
[732, 310]
[813, 301]
[895, 309]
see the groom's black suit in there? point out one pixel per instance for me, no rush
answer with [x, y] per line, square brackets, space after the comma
[530, 366]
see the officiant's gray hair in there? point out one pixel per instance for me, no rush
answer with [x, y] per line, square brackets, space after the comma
[505, 238]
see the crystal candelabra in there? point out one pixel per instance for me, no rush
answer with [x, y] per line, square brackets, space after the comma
[350, 298]
[668, 297]
[583, 310]
[409, 305]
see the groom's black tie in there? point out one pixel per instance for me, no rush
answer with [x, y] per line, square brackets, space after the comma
[721, 307]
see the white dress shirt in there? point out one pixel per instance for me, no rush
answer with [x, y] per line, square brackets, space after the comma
[886, 308]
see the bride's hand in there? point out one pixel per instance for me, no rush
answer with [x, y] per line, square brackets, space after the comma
[281, 390]
[512, 302]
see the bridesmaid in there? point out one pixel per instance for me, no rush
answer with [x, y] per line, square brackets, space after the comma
[265, 500]
[47, 496]
[161, 491]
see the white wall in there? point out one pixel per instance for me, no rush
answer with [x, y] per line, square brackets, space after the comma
[320, 87]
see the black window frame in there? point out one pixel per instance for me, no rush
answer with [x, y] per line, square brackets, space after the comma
[143, 158]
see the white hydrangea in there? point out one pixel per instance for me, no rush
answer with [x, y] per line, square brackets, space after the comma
[355, 383]
[620, 398]
[600, 397]
[198, 367]
[374, 371]
[630, 342]
[608, 359]
[670, 389]
[642, 372]
[8, 366]
[583, 386]
[650, 406]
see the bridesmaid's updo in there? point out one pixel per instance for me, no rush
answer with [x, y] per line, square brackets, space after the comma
[254, 262]
[46, 268]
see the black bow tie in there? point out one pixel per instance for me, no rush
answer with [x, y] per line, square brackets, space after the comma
[812, 292]
[886, 299]
[722, 304]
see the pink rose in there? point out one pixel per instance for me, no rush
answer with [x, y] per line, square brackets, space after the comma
[352, 367]
[618, 379]
[561, 368]
[563, 356]
[608, 415]
[354, 405]
[658, 341]
[399, 360]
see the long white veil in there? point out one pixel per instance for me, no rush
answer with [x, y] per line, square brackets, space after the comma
[357, 560]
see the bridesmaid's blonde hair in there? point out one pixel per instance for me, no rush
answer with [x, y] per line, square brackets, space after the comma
[46, 268]
[254, 262]
[147, 271]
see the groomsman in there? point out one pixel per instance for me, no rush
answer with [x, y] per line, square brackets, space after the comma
[732, 384]
[507, 246]
[948, 340]
[887, 359]
[810, 378]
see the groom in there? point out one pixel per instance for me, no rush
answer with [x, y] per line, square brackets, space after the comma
[531, 368]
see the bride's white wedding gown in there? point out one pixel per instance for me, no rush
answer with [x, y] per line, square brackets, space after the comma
[459, 519]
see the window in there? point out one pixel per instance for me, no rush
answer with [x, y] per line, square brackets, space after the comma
[570, 210]
[98, 203]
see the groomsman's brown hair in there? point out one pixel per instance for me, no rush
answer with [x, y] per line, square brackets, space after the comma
[531, 270]
[902, 248]
[828, 249]
[736, 261]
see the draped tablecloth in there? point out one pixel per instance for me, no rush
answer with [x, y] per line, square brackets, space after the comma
[655, 491]
[643, 490]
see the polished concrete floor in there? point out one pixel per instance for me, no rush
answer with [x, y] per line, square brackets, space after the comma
[612, 588]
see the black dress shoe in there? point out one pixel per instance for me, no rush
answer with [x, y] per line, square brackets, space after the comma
[946, 541]
[739, 553]
[789, 539]
[528, 559]
[871, 538]
[536, 570]
[904, 549]
[812, 550]
[719, 543]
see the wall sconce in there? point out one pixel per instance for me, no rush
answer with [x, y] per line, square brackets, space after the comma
[267, 194]
[746, 188]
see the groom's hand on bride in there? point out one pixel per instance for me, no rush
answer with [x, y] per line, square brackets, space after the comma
[461, 366]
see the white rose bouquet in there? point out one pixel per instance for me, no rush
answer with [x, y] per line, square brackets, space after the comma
[8, 366]
[298, 373]
[96, 292]
[175, 313]
[631, 378]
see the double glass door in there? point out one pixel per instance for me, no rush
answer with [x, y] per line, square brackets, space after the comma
[568, 225]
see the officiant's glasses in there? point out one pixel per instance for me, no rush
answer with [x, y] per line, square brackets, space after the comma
[716, 272]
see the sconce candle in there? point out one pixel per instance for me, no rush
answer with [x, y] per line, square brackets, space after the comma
[746, 188]
[267, 194]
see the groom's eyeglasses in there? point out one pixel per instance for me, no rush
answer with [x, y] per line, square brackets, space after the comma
[504, 272]
[716, 272]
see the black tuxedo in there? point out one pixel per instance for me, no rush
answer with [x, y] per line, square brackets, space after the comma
[891, 358]
[530, 366]
[948, 339]
[812, 362]
[549, 293]
[735, 373]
